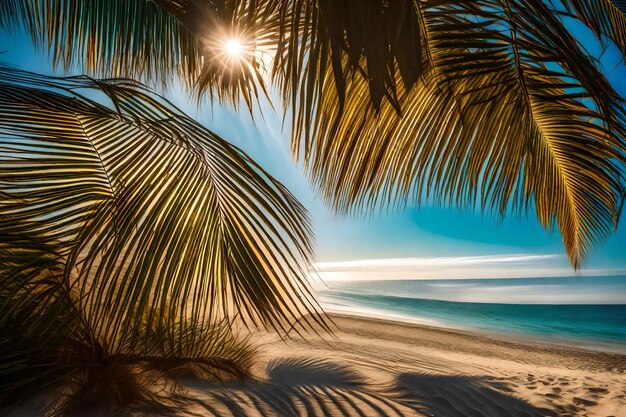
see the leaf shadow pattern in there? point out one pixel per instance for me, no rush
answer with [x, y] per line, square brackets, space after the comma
[462, 396]
[315, 388]
[301, 387]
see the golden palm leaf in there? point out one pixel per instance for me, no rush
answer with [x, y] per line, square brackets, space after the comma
[509, 114]
[147, 207]
[326, 53]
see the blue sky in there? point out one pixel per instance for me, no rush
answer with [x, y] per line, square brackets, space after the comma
[413, 233]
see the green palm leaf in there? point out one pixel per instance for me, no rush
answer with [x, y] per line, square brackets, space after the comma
[147, 208]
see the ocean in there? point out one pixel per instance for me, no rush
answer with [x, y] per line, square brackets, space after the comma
[588, 312]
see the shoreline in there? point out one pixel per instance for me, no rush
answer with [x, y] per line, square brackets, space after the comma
[516, 337]
[455, 341]
[449, 372]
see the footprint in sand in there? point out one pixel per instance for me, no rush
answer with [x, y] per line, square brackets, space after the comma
[597, 390]
[531, 386]
[584, 401]
[567, 409]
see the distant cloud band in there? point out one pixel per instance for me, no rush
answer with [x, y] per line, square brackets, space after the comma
[485, 266]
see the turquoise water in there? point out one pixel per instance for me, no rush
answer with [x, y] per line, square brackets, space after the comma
[582, 311]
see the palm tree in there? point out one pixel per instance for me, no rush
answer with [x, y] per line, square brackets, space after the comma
[487, 104]
[132, 235]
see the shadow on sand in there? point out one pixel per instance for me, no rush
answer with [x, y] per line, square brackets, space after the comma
[304, 387]
[460, 395]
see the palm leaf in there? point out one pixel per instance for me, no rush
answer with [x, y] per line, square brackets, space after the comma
[503, 120]
[156, 41]
[607, 18]
[335, 64]
[114, 38]
[148, 208]
[36, 318]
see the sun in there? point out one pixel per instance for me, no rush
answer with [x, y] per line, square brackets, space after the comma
[233, 47]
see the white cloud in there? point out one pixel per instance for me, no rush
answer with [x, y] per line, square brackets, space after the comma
[486, 266]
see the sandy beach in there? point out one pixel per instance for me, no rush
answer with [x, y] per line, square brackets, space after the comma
[374, 367]
[381, 368]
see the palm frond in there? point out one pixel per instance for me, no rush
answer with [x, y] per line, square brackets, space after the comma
[37, 318]
[136, 39]
[155, 41]
[505, 118]
[149, 209]
[334, 64]
[374, 36]
[147, 376]
[48, 343]
[225, 77]
[134, 238]
[607, 18]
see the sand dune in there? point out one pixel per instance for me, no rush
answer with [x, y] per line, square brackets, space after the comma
[379, 368]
